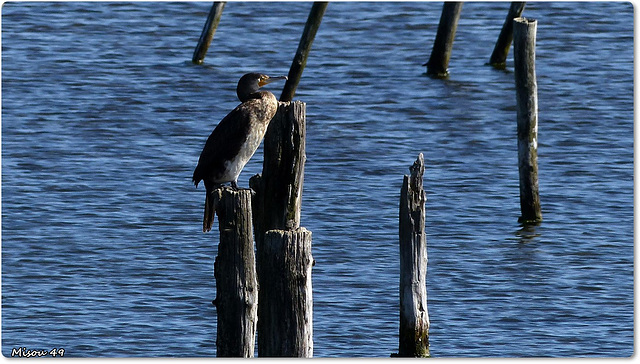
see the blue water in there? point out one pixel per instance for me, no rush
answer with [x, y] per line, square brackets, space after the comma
[104, 117]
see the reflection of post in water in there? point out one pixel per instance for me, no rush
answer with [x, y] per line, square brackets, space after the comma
[527, 234]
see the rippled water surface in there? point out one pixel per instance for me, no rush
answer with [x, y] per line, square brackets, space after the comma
[104, 116]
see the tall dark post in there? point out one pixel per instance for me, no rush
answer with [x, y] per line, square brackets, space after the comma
[414, 316]
[501, 50]
[439, 61]
[283, 248]
[235, 273]
[208, 31]
[304, 47]
[524, 57]
[278, 199]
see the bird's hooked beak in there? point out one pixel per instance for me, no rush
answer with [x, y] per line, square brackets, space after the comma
[266, 80]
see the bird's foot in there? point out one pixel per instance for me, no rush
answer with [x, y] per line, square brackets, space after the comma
[216, 187]
[233, 187]
[236, 188]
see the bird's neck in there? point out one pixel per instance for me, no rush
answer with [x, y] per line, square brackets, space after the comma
[252, 96]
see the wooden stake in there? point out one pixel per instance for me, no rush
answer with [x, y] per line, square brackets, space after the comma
[286, 316]
[208, 31]
[278, 207]
[524, 56]
[235, 274]
[304, 47]
[501, 50]
[441, 52]
[414, 317]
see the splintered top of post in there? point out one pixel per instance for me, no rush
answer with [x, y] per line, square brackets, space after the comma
[417, 170]
[220, 191]
[524, 20]
[418, 166]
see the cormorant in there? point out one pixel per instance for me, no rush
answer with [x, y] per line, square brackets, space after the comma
[236, 138]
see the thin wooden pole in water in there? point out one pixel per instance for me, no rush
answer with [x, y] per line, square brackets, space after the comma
[441, 52]
[414, 316]
[235, 273]
[524, 56]
[283, 248]
[501, 50]
[304, 47]
[208, 31]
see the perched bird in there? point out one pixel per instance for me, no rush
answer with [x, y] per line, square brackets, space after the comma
[236, 138]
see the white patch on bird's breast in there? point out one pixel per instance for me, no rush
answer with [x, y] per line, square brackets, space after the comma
[234, 166]
[262, 114]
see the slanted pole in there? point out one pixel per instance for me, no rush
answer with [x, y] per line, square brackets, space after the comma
[235, 273]
[441, 52]
[208, 31]
[414, 316]
[304, 47]
[501, 50]
[524, 57]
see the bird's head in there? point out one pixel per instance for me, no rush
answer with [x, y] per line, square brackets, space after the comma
[251, 83]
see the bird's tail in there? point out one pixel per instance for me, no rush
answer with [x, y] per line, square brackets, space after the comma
[195, 179]
[209, 212]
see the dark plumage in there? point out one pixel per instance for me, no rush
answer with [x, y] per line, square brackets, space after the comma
[236, 138]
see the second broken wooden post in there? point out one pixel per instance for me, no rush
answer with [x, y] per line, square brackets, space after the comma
[283, 248]
[286, 315]
[235, 273]
[414, 316]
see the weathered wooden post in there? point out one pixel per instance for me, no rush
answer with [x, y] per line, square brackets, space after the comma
[286, 320]
[441, 51]
[414, 317]
[208, 31]
[501, 50]
[278, 207]
[304, 47]
[283, 248]
[235, 272]
[524, 56]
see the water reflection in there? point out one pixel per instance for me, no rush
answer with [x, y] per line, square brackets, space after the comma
[527, 233]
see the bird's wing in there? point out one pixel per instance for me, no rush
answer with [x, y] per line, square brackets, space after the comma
[224, 143]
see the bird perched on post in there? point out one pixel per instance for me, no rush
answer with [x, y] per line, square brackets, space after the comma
[236, 138]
